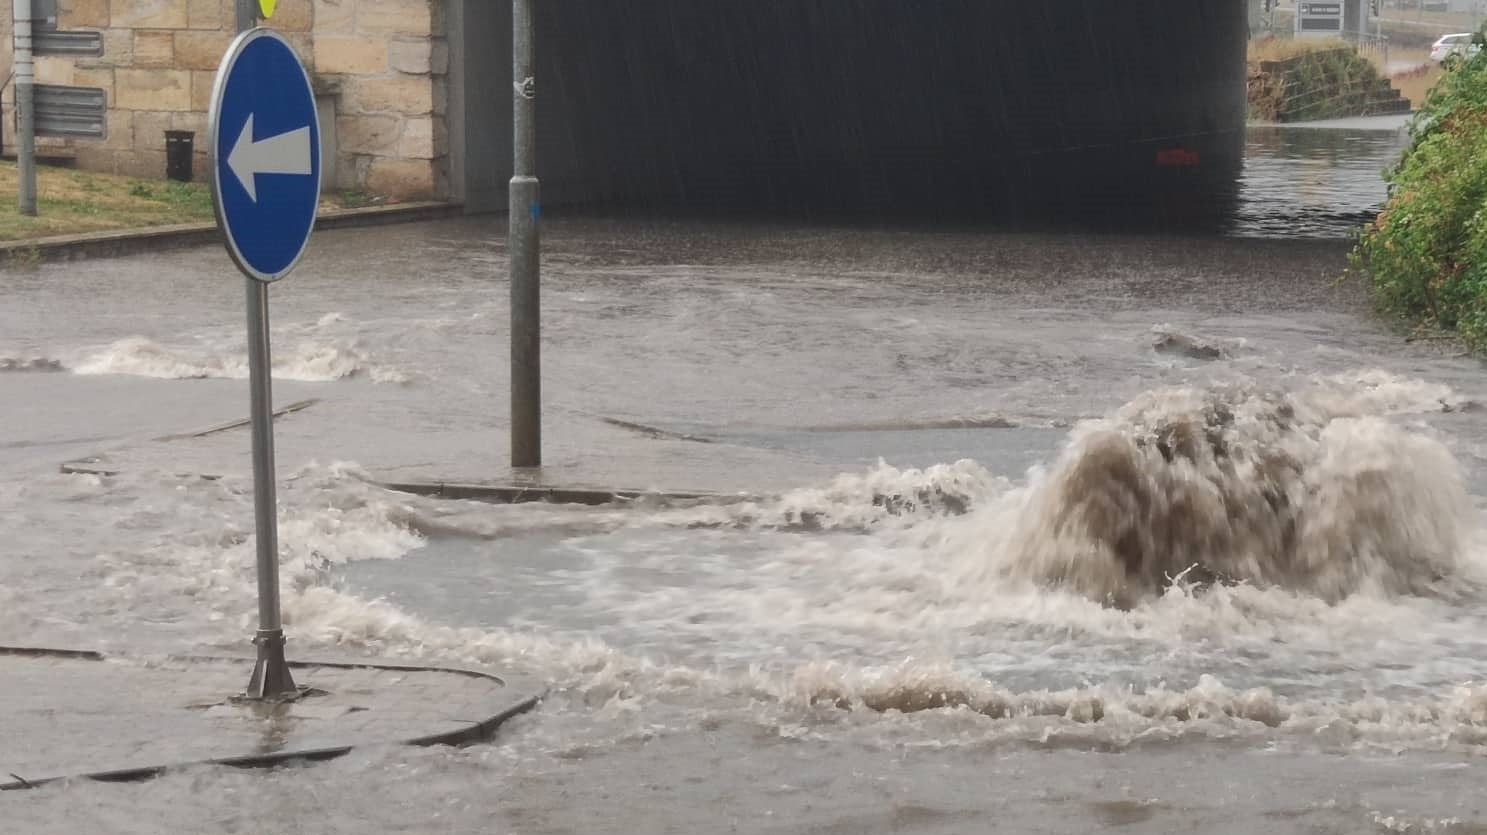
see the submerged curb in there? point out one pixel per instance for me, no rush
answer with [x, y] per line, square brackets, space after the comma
[494, 493]
[477, 730]
[179, 236]
[514, 494]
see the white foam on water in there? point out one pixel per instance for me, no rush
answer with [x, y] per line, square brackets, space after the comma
[1418, 824]
[1375, 391]
[902, 593]
[882, 495]
[818, 696]
[305, 361]
[1170, 340]
[31, 363]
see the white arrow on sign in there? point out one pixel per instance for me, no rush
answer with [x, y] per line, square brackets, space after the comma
[287, 153]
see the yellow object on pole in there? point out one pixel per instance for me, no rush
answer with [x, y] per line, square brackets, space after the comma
[267, 7]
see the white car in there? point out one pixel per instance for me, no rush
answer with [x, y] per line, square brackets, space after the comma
[1458, 45]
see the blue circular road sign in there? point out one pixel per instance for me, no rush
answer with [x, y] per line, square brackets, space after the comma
[264, 138]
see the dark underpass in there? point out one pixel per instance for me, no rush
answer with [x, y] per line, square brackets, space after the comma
[884, 109]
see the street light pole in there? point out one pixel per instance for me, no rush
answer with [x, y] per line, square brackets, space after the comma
[25, 109]
[523, 248]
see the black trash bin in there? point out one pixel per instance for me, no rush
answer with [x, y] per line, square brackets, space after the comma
[178, 148]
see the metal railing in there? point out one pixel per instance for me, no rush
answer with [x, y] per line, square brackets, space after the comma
[1369, 45]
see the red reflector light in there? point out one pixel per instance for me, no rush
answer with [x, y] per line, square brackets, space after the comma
[1178, 158]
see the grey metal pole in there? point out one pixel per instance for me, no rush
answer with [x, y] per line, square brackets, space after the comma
[523, 246]
[25, 110]
[247, 14]
[271, 675]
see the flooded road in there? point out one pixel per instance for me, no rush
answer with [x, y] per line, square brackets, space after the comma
[918, 617]
[1316, 179]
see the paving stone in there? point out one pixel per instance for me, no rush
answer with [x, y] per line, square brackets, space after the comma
[82, 715]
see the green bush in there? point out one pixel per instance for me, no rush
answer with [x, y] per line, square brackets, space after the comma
[1426, 252]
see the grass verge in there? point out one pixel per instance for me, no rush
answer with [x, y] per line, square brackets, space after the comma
[72, 202]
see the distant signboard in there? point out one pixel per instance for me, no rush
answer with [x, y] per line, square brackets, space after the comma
[71, 111]
[74, 44]
[47, 39]
[1318, 19]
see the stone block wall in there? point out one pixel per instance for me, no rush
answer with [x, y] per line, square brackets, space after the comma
[384, 65]
[378, 65]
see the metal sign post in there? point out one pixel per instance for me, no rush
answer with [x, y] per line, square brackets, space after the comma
[246, 12]
[264, 136]
[25, 109]
[522, 246]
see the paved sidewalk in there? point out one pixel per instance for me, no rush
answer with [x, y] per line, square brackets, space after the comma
[157, 238]
[74, 714]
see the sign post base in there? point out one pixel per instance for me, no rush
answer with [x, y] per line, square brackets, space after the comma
[271, 680]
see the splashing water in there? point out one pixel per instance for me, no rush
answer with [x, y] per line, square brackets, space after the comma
[1304, 490]
[304, 361]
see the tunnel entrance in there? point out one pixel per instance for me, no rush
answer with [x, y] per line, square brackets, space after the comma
[884, 109]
